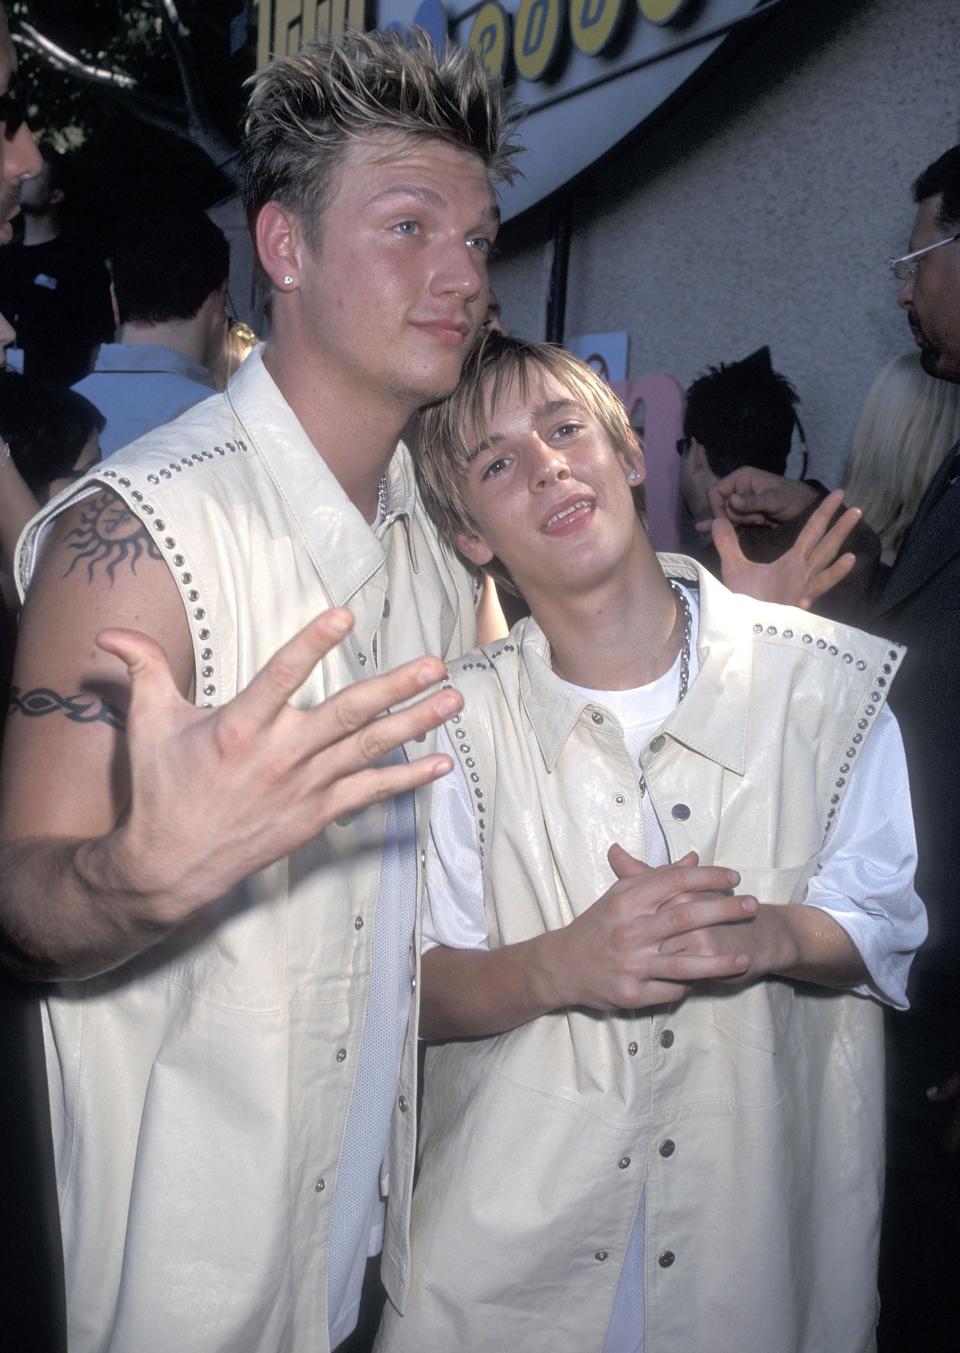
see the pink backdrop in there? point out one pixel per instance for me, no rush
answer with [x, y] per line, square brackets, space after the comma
[663, 426]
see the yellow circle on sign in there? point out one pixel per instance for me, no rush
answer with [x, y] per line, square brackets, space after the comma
[593, 23]
[661, 11]
[488, 38]
[536, 35]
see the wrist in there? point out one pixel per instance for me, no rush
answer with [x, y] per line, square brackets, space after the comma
[803, 496]
[130, 896]
[545, 973]
[779, 949]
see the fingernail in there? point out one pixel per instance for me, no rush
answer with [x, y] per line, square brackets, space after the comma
[733, 876]
[448, 703]
[339, 623]
[748, 903]
[743, 960]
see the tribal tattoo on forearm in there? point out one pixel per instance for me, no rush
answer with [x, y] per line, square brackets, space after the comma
[109, 534]
[41, 701]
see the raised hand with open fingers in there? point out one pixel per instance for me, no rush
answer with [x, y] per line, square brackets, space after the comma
[218, 794]
[812, 566]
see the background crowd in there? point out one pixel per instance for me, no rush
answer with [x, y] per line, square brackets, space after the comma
[104, 347]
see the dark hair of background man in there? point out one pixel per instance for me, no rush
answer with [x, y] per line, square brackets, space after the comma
[165, 265]
[743, 414]
[943, 176]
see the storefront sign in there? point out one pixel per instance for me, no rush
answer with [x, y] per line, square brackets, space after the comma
[587, 71]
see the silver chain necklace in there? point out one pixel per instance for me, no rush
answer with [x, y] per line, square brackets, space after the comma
[383, 496]
[687, 618]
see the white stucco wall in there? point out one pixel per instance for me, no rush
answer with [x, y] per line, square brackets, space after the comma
[765, 209]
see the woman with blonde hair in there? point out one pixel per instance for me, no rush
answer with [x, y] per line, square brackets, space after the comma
[908, 424]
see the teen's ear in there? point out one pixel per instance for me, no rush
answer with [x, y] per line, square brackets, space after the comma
[635, 466]
[473, 548]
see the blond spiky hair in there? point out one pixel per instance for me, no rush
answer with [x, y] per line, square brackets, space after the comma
[305, 111]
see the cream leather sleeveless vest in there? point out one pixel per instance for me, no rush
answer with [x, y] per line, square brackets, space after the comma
[751, 1120]
[200, 1092]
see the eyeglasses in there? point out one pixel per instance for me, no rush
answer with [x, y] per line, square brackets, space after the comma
[908, 265]
[13, 113]
[683, 446]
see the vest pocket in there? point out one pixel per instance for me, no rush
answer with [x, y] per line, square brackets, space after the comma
[759, 1017]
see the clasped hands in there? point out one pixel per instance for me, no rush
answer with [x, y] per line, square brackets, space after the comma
[658, 931]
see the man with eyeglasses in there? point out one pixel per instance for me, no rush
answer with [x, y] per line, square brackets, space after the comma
[31, 1268]
[743, 414]
[918, 604]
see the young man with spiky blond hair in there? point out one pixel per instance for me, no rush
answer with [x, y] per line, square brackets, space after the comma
[656, 1124]
[210, 847]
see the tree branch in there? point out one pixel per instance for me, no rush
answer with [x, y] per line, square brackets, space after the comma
[170, 9]
[191, 123]
[201, 126]
[61, 59]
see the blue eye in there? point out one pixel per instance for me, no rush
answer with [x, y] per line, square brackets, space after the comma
[407, 227]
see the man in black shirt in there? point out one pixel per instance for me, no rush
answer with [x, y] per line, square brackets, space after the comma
[54, 287]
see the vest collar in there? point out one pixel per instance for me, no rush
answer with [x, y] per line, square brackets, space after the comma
[712, 720]
[345, 551]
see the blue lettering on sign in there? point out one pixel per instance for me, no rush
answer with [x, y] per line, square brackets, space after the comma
[485, 39]
[589, 16]
[432, 16]
[538, 14]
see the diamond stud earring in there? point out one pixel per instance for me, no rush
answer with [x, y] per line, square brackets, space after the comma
[287, 280]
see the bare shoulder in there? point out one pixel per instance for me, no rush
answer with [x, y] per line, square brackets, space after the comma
[64, 763]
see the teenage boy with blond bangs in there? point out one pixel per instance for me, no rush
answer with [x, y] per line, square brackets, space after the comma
[209, 839]
[668, 890]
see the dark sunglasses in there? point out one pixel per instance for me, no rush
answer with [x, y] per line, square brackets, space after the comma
[13, 113]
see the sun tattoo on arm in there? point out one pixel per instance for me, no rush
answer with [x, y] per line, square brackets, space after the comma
[109, 534]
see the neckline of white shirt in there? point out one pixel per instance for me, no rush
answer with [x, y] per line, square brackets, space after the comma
[656, 699]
